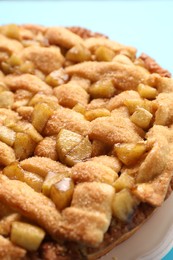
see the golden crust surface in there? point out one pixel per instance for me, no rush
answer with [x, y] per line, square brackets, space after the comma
[10, 251]
[90, 213]
[126, 77]
[63, 37]
[27, 82]
[31, 204]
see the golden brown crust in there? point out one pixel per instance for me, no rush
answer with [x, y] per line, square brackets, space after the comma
[85, 33]
[118, 101]
[113, 130]
[117, 233]
[44, 59]
[9, 251]
[35, 28]
[70, 94]
[47, 148]
[153, 66]
[66, 118]
[89, 216]
[6, 222]
[7, 154]
[43, 165]
[112, 245]
[108, 161]
[10, 45]
[124, 54]
[125, 76]
[164, 114]
[63, 37]
[29, 203]
[27, 82]
[92, 171]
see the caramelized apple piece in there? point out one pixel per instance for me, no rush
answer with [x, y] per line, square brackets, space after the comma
[7, 154]
[32, 132]
[52, 101]
[123, 205]
[99, 148]
[40, 116]
[147, 91]
[66, 141]
[133, 104]
[79, 108]
[57, 78]
[52, 178]
[27, 67]
[124, 181]
[14, 60]
[23, 146]
[141, 117]
[129, 153]
[78, 53]
[26, 235]
[79, 153]
[104, 54]
[150, 106]
[25, 127]
[61, 193]
[15, 172]
[11, 31]
[33, 180]
[7, 135]
[103, 88]
[98, 112]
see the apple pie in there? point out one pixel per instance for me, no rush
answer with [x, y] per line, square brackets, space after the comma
[86, 142]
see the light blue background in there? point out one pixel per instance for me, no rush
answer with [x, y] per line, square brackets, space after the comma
[147, 25]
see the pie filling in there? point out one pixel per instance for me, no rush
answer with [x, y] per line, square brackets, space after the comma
[86, 142]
